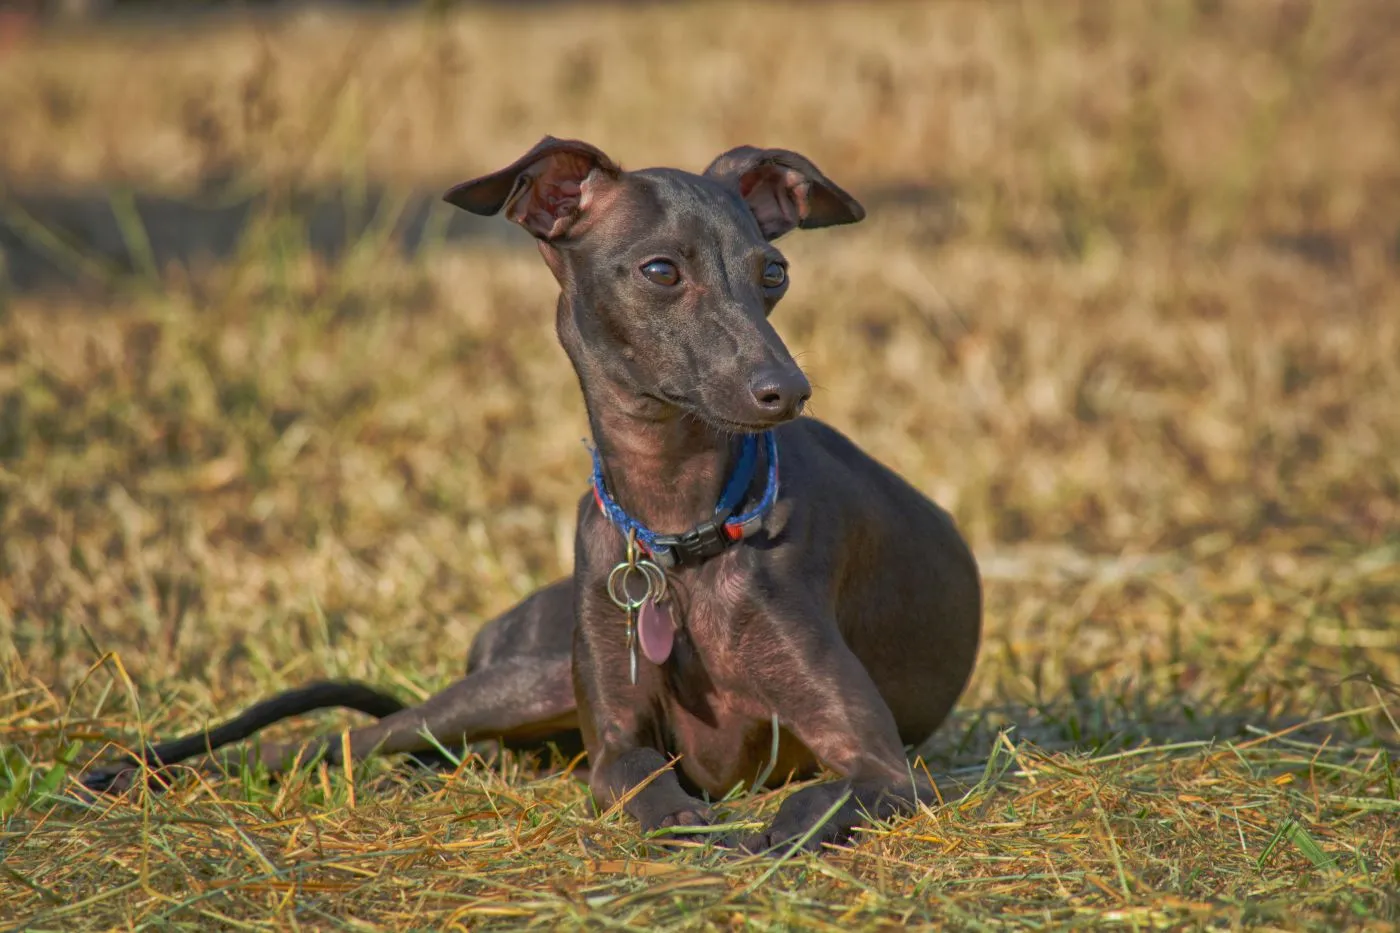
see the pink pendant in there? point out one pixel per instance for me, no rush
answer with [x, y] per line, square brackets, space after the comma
[656, 631]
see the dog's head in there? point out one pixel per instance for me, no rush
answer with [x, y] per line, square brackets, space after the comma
[669, 277]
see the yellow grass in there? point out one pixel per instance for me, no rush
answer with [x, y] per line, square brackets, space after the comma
[1128, 303]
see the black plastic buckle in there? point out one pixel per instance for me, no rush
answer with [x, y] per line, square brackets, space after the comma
[697, 545]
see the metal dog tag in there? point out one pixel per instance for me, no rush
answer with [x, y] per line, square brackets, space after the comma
[656, 630]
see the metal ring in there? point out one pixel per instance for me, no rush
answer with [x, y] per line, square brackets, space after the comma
[625, 602]
[657, 579]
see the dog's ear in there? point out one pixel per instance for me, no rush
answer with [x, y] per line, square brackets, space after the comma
[784, 190]
[545, 191]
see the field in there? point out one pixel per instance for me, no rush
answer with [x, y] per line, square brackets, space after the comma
[1127, 303]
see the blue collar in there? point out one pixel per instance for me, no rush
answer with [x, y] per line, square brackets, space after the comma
[710, 537]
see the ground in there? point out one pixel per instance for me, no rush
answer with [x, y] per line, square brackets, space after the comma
[1127, 303]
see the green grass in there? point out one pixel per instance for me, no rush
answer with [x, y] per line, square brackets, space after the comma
[1142, 340]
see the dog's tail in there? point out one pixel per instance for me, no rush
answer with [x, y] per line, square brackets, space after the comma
[325, 694]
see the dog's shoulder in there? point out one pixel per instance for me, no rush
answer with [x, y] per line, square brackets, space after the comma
[808, 443]
[808, 434]
[813, 448]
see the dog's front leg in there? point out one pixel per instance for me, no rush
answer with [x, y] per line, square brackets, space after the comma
[623, 737]
[661, 803]
[826, 698]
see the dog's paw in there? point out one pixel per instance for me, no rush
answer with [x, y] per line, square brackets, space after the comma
[670, 828]
[118, 777]
[689, 816]
[111, 780]
[776, 842]
[796, 823]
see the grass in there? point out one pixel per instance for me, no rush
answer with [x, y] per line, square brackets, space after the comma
[1133, 320]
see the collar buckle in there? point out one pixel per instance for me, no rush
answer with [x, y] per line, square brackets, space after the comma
[707, 539]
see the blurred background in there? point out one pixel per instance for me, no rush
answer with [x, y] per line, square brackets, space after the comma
[1127, 302]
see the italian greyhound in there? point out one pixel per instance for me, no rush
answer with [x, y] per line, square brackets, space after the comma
[727, 622]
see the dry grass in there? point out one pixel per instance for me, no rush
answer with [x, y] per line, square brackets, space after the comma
[1141, 334]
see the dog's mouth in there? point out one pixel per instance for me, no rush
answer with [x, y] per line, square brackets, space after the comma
[717, 421]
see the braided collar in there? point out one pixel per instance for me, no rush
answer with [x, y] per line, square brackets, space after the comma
[714, 535]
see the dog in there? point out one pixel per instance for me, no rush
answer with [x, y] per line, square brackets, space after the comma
[753, 598]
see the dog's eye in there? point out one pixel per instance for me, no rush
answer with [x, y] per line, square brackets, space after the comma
[662, 272]
[774, 275]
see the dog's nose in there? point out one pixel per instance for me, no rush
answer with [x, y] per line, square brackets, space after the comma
[780, 393]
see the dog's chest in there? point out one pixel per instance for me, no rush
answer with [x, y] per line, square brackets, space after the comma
[716, 720]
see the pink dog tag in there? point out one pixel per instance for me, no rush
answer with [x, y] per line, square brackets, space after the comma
[656, 631]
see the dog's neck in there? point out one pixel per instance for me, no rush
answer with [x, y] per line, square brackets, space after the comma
[664, 467]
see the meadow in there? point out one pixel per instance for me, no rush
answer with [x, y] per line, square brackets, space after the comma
[1127, 303]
